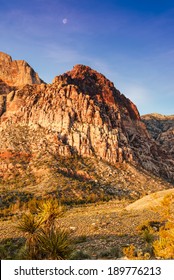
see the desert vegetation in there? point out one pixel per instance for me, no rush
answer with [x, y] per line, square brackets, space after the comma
[45, 229]
[42, 237]
[158, 235]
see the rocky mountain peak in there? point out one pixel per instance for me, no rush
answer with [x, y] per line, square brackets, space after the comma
[100, 89]
[17, 72]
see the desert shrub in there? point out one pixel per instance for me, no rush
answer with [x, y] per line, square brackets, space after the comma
[129, 251]
[44, 240]
[149, 233]
[148, 236]
[110, 253]
[9, 198]
[159, 234]
[164, 245]
[115, 252]
[10, 248]
[80, 239]
[80, 255]
[132, 253]
[104, 254]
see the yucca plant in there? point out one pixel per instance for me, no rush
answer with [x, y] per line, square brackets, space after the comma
[49, 211]
[30, 225]
[43, 239]
[54, 243]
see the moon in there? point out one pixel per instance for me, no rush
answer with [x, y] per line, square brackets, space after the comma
[65, 20]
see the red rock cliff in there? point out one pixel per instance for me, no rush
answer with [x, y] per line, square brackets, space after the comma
[81, 113]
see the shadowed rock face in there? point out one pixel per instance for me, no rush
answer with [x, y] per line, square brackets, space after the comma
[161, 129]
[82, 113]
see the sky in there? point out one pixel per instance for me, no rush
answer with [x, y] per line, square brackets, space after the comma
[131, 42]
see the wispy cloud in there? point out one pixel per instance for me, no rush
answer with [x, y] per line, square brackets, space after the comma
[137, 93]
[62, 54]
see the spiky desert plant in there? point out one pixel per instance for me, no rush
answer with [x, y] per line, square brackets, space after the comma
[54, 243]
[30, 226]
[43, 239]
[49, 211]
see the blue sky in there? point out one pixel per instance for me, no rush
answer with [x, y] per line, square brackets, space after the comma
[131, 42]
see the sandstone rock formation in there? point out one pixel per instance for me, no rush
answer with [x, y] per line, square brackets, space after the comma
[157, 123]
[16, 72]
[161, 128]
[81, 113]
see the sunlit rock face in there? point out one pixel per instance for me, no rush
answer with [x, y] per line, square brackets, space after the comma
[17, 72]
[81, 113]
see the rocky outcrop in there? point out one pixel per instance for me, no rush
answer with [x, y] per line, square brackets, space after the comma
[157, 123]
[81, 113]
[15, 73]
[161, 128]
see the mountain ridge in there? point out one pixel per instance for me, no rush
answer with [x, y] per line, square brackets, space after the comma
[161, 128]
[80, 114]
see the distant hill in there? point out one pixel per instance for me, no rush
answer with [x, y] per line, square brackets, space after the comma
[161, 128]
[151, 201]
